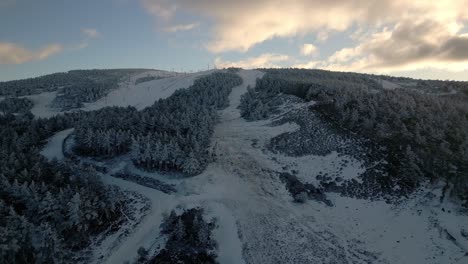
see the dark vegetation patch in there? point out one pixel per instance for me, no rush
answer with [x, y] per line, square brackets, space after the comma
[301, 192]
[13, 105]
[147, 79]
[189, 240]
[89, 86]
[49, 211]
[420, 137]
[146, 181]
[314, 136]
[233, 69]
[317, 137]
[74, 87]
[172, 135]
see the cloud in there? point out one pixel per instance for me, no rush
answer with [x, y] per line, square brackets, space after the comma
[11, 53]
[308, 49]
[308, 65]
[388, 35]
[239, 25]
[91, 32]
[160, 8]
[181, 27]
[409, 45]
[267, 60]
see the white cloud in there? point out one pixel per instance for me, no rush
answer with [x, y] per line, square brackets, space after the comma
[11, 53]
[389, 35]
[409, 45]
[307, 65]
[309, 49]
[267, 60]
[91, 32]
[236, 28]
[181, 27]
[161, 8]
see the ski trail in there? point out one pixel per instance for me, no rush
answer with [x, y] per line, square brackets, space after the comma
[271, 228]
[147, 231]
[256, 219]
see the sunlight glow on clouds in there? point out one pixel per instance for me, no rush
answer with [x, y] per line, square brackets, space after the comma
[309, 49]
[267, 60]
[14, 53]
[181, 27]
[11, 53]
[391, 34]
[409, 45]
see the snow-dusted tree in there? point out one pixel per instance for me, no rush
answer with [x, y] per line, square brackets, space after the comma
[75, 215]
[191, 165]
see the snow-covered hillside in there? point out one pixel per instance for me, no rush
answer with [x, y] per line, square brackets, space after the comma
[128, 93]
[42, 102]
[146, 93]
[256, 217]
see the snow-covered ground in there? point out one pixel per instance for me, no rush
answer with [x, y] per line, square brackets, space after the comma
[145, 94]
[42, 102]
[127, 94]
[147, 232]
[53, 148]
[258, 222]
[390, 85]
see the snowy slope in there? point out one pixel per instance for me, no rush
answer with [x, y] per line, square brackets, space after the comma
[356, 231]
[127, 94]
[390, 85]
[257, 220]
[42, 101]
[145, 94]
[148, 230]
[53, 148]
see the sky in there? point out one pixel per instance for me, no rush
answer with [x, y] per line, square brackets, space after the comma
[418, 38]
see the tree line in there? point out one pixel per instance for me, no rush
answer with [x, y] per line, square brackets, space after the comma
[425, 136]
[13, 105]
[172, 134]
[74, 87]
[49, 210]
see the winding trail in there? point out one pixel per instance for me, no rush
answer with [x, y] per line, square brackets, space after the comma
[257, 222]
[147, 231]
[271, 228]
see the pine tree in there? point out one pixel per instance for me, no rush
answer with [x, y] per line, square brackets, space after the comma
[75, 216]
[191, 166]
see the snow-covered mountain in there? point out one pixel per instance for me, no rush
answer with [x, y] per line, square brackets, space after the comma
[238, 166]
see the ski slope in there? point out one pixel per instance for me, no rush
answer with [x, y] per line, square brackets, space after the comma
[127, 94]
[145, 94]
[258, 222]
[42, 102]
[53, 147]
[147, 231]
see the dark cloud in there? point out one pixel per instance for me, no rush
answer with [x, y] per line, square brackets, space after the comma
[455, 48]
